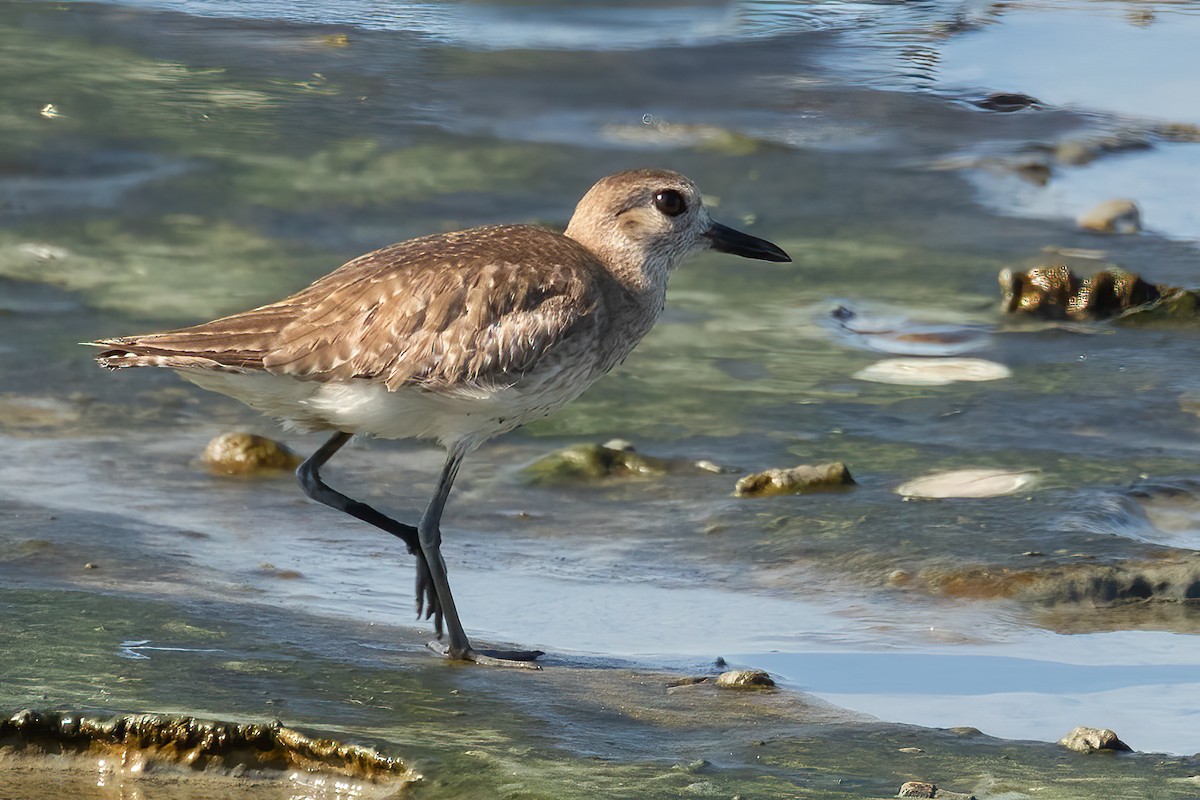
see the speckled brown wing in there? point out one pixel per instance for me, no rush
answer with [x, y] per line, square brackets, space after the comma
[474, 307]
[235, 343]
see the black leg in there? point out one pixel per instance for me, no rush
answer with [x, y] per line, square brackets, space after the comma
[310, 481]
[430, 535]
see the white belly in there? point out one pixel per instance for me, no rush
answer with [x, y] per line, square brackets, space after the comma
[467, 415]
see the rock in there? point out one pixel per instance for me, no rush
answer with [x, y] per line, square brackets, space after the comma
[1180, 132]
[32, 411]
[797, 480]
[1113, 216]
[148, 740]
[932, 371]
[1055, 292]
[1077, 152]
[616, 458]
[1090, 740]
[1093, 584]
[968, 483]
[1034, 170]
[247, 454]
[688, 680]
[745, 679]
[1007, 101]
[590, 462]
[927, 789]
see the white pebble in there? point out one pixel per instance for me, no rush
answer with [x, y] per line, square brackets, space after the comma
[968, 483]
[932, 371]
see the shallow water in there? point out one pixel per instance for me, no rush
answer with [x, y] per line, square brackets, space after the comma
[167, 162]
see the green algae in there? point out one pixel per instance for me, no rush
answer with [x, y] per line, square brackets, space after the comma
[157, 270]
[356, 173]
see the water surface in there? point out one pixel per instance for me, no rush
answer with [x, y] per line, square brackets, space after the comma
[168, 162]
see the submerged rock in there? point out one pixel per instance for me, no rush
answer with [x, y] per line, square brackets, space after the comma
[1056, 293]
[1088, 583]
[32, 411]
[143, 741]
[745, 679]
[1007, 102]
[797, 480]
[901, 335]
[1113, 216]
[660, 133]
[613, 459]
[248, 453]
[1090, 740]
[927, 789]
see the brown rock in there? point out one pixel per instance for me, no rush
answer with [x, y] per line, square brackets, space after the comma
[745, 679]
[797, 480]
[1090, 740]
[927, 789]
[1054, 292]
[1113, 216]
[247, 453]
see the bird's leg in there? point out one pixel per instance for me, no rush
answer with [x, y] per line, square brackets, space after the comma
[430, 535]
[314, 487]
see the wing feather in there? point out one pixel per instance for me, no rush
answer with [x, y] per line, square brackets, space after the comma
[481, 306]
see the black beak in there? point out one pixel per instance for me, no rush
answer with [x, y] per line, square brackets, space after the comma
[727, 240]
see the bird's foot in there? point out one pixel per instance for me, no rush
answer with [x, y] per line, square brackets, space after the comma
[518, 659]
[428, 604]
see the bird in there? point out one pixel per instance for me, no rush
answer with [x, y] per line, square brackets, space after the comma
[453, 338]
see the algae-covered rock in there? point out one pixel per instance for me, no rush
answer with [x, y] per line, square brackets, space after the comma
[1054, 292]
[745, 679]
[1159, 580]
[614, 459]
[1057, 293]
[797, 480]
[1090, 740]
[247, 454]
[1172, 305]
[928, 789]
[34, 411]
[148, 739]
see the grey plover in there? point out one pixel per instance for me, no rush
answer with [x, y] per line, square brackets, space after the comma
[455, 338]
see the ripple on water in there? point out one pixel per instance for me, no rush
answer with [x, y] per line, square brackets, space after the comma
[1165, 512]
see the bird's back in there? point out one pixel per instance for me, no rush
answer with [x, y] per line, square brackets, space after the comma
[477, 306]
[502, 324]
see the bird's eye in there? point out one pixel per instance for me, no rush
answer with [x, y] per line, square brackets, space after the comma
[670, 202]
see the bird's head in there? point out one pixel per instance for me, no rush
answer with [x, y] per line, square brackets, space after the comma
[653, 219]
